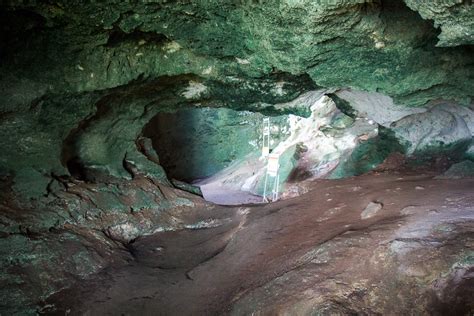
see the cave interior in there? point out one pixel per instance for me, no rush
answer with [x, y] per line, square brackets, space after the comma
[287, 157]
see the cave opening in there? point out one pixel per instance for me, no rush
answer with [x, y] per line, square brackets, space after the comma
[202, 146]
[194, 144]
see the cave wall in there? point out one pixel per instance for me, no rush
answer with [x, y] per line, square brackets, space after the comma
[80, 80]
[342, 43]
[351, 132]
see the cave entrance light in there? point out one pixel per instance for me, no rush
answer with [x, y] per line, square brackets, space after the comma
[273, 166]
[221, 151]
[273, 163]
[266, 137]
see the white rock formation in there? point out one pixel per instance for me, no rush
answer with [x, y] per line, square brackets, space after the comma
[439, 123]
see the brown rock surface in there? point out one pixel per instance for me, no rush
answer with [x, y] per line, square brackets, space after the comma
[297, 257]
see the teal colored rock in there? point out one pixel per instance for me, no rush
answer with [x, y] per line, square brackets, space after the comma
[464, 169]
[367, 155]
[102, 103]
[377, 46]
[186, 187]
[39, 260]
[470, 151]
[454, 18]
[139, 164]
[81, 80]
[442, 129]
[30, 184]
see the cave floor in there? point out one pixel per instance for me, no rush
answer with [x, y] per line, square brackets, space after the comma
[216, 193]
[301, 255]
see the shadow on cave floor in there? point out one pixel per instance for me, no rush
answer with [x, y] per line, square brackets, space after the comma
[219, 188]
[215, 193]
[322, 251]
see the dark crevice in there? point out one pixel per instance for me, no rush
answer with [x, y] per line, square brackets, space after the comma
[15, 23]
[343, 105]
[396, 14]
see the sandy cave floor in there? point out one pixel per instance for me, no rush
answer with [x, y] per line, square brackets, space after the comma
[296, 255]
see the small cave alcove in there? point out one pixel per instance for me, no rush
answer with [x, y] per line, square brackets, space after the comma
[196, 143]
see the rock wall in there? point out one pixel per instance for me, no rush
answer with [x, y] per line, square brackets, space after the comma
[80, 80]
[351, 132]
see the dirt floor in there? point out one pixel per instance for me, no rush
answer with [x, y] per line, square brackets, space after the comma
[412, 254]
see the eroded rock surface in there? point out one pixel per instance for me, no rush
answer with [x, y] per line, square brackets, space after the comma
[71, 235]
[303, 256]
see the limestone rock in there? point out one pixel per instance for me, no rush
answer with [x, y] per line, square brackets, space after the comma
[138, 164]
[186, 187]
[72, 79]
[197, 143]
[443, 126]
[376, 106]
[454, 18]
[82, 81]
[371, 210]
[346, 43]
